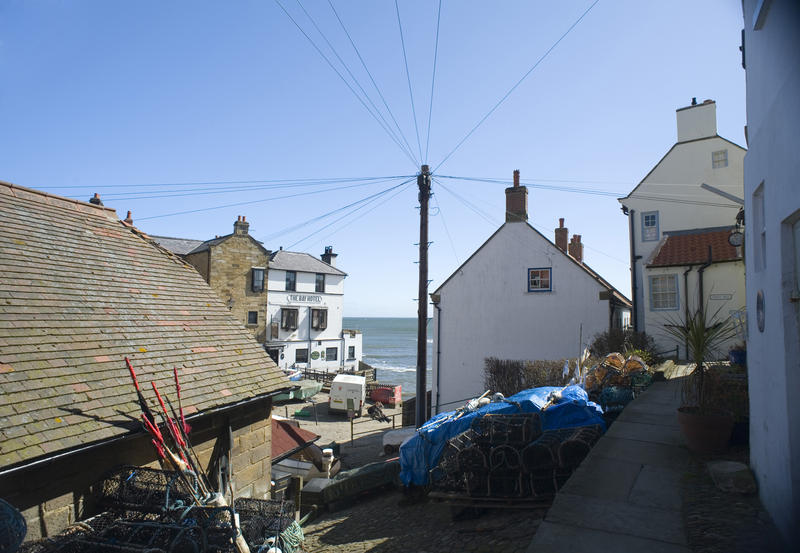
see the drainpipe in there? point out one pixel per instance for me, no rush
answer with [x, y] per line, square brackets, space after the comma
[700, 270]
[438, 351]
[686, 303]
[631, 230]
[310, 342]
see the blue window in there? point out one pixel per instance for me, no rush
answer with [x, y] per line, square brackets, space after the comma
[540, 279]
[663, 292]
[649, 226]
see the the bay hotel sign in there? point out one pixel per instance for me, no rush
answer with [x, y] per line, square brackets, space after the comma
[304, 298]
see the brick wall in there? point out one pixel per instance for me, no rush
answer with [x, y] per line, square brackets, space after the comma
[54, 495]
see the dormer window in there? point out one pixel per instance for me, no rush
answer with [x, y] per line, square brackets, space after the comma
[257, 274]
[291, 281]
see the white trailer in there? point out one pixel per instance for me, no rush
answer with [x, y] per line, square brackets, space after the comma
[348, 391]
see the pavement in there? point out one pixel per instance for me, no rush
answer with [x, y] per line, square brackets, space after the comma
[626, 494]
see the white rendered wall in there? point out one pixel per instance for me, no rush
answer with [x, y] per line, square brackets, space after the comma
[678, 177]
[697, 121]
[486, 310]
[773, 355]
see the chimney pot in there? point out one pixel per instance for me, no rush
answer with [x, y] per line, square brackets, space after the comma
[95, 199]
[129, 219]
[562, 233]
[576, 248]
[560, 222]
[516, 178]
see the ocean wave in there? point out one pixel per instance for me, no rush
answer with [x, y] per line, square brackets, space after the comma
[399, 369]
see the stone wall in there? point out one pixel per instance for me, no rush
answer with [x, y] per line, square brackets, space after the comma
[56, 494]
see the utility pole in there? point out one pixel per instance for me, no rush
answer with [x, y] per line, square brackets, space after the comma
[424, 183]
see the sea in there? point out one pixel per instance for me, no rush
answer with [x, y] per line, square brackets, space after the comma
[390, 345]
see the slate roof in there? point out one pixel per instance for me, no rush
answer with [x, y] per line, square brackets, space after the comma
[180, 246]
[288, 438]
[691, 248]
[301, 262]
[79, 291]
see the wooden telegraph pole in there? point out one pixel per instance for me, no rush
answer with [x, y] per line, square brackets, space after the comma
[424, 183]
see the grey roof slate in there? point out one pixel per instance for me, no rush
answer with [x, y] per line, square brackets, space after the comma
[301, 262]
[180, 246]
[81, 290]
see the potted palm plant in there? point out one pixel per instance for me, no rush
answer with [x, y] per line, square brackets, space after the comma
[707, 428]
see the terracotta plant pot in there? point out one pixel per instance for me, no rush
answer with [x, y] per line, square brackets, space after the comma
[707, 432]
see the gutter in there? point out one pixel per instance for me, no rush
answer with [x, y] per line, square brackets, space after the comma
[438, 352]
[131, 435]
[631, 230]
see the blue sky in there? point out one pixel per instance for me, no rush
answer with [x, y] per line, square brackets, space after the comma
[141, 101]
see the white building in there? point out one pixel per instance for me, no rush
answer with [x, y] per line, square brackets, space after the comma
[519, 296]
[681, 216]
[772, 206]
[304, 313]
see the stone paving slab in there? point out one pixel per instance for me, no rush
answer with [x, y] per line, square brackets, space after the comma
[646, 433]
[644, 415]
[657, 487]
[646, 453]
[551, 537]
[618, 517]
[603, 478]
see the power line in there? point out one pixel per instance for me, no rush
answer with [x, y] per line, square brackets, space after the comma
[408, 77]
[486, 217]
[347, 68]
[369, 73]
[433, 81]
[200, 183]
[411, 157]
[507, 94]
[446, 230]
[250, 202]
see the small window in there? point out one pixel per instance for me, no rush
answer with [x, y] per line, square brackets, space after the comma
[663, 292]
[258, 279]
[252, 317]
[301, 355]
[331, 354]
[319, 319]
[649, 226]
[291, 281]
[719, 159]
[289, 319]
[319, 285]
[351, 353]
[539, 280]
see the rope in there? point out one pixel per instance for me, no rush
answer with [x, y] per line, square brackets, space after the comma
[292, 537]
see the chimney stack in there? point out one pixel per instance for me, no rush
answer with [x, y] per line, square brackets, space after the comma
[95, 199]
[129, 219]
[516, 202]
[697, 120]
[329, 257]
[576, 248]
[241, 226]
[561, 236]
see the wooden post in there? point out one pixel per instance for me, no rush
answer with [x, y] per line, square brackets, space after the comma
[424, 183]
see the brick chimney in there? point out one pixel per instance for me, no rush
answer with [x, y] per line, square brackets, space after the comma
[95, 199]
[576, 248]
[329, 257]
[561, 236]
[241, 226]
[516, 202]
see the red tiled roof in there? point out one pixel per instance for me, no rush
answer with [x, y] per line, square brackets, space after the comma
[288, 438]
[692, 249]
[80, 291]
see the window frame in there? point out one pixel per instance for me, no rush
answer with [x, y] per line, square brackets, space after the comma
[260, 280]
[351, 356]
[297, 356]
[721, 161]
[291, 281]
[319, 319]
[289, 316]
[319, 287]
[646, 214]
[674, 278]
[549, 279]
[249, 318]
[335, 351]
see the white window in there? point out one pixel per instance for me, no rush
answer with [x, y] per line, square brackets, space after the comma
[289, 319]
[319, 319]
[759, 229]
[539, 280]
[291, 281]
[663, 292]
[319, 283]
[719, 159]
[649, 226]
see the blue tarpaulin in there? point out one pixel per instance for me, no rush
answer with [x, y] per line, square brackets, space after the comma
[421, 453]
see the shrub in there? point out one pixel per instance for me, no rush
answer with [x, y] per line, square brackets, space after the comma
[627, 342]
[511, 376]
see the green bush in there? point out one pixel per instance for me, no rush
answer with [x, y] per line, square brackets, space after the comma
[627, 342]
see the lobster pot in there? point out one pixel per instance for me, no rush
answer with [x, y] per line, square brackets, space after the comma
[505, 483]
[574, 449]
[472, 470]
[539, 462]
[260, 519]
[518, 429]
[144, 489]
